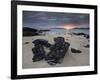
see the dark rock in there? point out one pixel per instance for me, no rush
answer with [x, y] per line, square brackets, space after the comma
[29, 31]
[75, 50]
[87, 46]
[59, 40]
[39, 53]
[45, 30]
[38, 50]
[26, 43]
[57, 51]
[41, 42]
[78, 33]
[85, 35]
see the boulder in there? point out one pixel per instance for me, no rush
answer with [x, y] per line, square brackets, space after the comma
[38, 53]
[59, 40]
[57, 51]
[41, 42]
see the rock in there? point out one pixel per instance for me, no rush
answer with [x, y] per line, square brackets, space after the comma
[57, 51]
[38, 53]
[75, 50]
[51, 63]
[87, 46]
[26, 43]
[78, 33]
[29, 31]
[86, 36]
[41, 42]
[59, 39]
[38, 50]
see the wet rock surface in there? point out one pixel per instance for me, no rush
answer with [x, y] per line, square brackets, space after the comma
[57, 51]
[75, 50]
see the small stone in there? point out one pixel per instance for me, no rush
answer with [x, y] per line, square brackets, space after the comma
[75, 50]
[87, 46]
[26, 43]
[86, 36]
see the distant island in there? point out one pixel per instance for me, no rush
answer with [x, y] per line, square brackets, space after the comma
[44, 30]
[57, 28]
[29, 31]
[32, 32]
[82, 28]
[73, 28]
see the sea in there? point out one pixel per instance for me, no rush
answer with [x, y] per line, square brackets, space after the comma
[63, 31]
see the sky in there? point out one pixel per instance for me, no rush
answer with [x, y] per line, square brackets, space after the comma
[47, 20]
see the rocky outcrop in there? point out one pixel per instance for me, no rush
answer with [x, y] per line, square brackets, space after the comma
[29, 31]
[38, 53]
[57, 51]
[41, 42]
[38, 50]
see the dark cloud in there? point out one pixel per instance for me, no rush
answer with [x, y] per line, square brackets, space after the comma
[38, 19]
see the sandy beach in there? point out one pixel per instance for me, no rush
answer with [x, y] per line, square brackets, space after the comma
[70, 59]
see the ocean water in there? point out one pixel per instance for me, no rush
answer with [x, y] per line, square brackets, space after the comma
[86, 31]
[63, 31]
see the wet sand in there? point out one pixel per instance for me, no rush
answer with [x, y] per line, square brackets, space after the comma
[70, 59]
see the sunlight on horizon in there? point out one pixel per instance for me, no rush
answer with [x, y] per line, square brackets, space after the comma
[70, 26]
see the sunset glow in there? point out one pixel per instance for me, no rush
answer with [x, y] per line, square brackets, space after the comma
[70, 26]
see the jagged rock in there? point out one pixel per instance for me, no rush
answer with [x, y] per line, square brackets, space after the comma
[38, 50]
[38, 53]
[75, 50]
[59, 40]
[57, 51]
[41, 42]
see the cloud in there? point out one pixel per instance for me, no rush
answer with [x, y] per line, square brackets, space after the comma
[43, 19]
